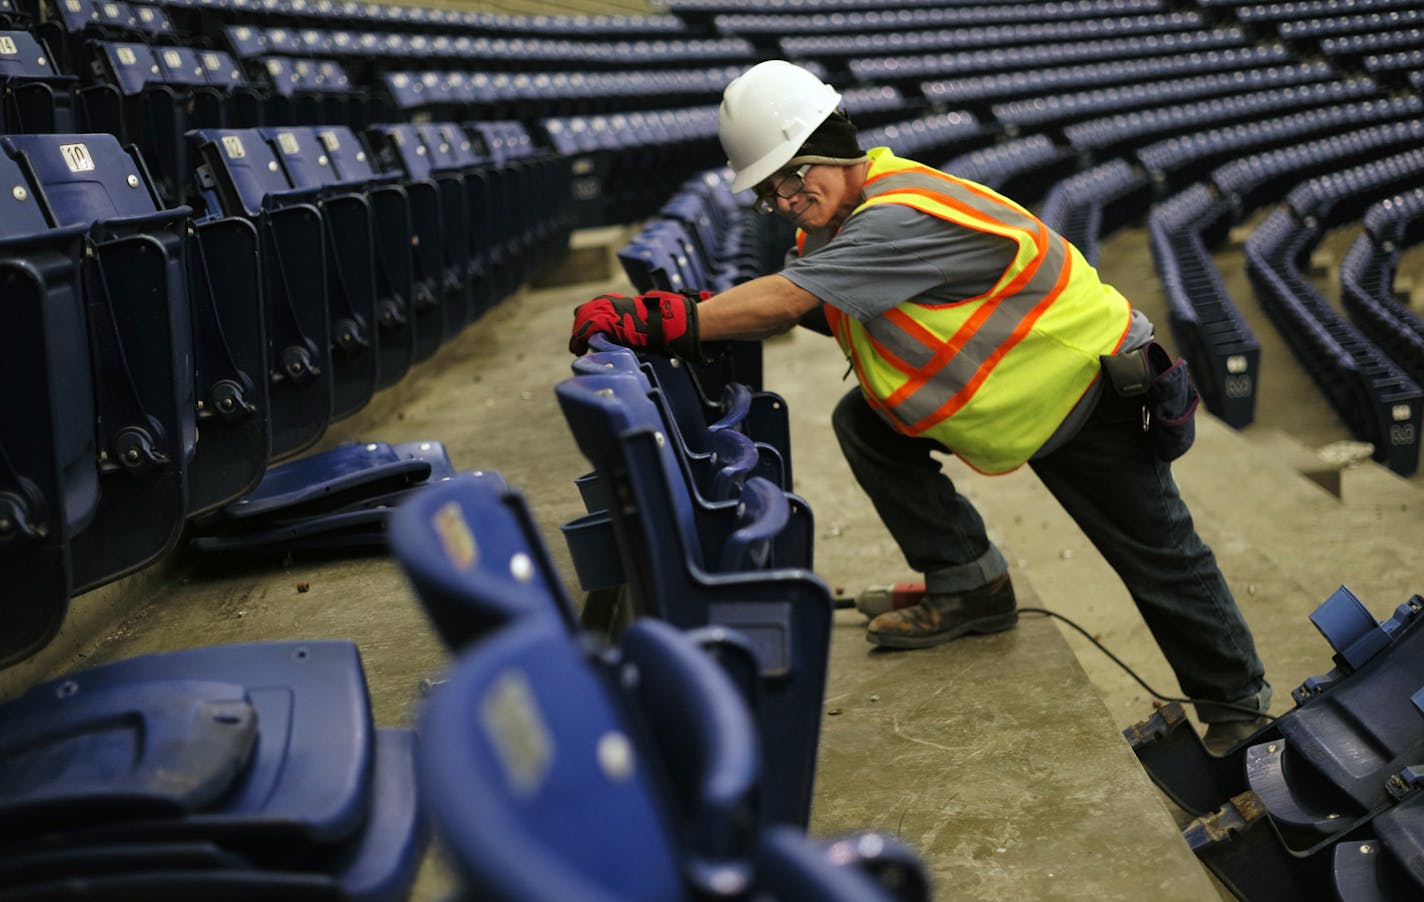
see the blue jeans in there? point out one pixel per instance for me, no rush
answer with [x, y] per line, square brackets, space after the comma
[1119, 494]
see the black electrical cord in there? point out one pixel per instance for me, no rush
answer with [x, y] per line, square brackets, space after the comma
[845, 603]
[1132, 673]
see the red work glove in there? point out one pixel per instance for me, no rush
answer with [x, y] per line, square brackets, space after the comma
[661, 321]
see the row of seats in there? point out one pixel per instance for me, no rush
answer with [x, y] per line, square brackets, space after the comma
[1145, 27]
[1023, 168]
[1221, 349]
[905, 17]
[175, 351]
[195, 16]
[1323, 803]
[630, 767]
[1055, 111]
[973, 58]
[663, 743]
[1223, 352]
[1367, 291]
[978, 92]
[1378, 400]
[704, 238]
[1092, 204]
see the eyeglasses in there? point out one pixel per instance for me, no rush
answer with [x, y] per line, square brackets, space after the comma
[788, 186]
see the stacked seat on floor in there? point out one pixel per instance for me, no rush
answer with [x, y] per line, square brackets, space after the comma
[1326, 782]
[590, 770]
[338, 500]
[227, 772]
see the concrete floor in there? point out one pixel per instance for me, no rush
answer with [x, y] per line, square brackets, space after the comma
[1000, 757]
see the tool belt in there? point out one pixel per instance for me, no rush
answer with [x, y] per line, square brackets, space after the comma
[1168, 397]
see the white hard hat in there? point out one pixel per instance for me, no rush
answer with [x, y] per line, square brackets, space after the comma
[767, 113]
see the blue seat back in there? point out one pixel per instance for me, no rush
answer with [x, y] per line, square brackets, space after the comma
[86, 178]
[605, 413]
[703, 730]
[302, 155]
[536, 782]
[252, 169]
[24, 218]
[120, 750]
[26, 58]
[309, 776]
[473, 553]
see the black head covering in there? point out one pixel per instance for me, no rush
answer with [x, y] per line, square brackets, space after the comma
[833, 141]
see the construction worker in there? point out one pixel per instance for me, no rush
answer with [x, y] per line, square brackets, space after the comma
[973, 329]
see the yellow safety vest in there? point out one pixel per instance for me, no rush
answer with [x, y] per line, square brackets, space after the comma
[991, 377]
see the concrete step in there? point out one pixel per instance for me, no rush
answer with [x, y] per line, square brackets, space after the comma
[996, 759]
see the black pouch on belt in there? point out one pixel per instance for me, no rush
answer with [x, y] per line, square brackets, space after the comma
[1169, 400]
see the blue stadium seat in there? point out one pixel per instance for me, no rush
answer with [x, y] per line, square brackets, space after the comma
[240, 176]
[366, 304]
[227, 771]
[1352, 730]
[440, 209]
[653, 739]
[376, 861]
[555, 763]
[49, 479]
[37, 97]
[474, 555]
[669, 556]
[349, 167]
[140, 334]
[338, 499]
[150, 749]
[307, 780]
[151, 97]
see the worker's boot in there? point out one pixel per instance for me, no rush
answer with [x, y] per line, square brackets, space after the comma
[940, 618]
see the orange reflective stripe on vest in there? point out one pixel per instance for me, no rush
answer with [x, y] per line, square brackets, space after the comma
[990, 377]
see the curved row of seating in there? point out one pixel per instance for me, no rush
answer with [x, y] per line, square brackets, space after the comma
[1024, 168]
[1058, 110]
[912, 17]
[1146, 27]
[1092, 204]
[1379, 402]
[979, 91]
[975, 59]
[1367, 274]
